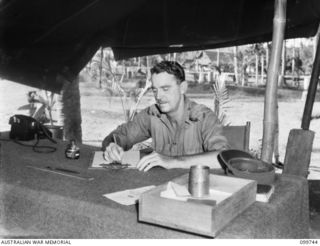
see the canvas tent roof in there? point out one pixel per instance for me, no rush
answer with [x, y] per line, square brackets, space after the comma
[42, 39]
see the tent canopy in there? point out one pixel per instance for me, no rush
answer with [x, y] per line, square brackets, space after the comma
[41, 40]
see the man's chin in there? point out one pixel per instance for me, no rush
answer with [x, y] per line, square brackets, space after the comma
[163, 108]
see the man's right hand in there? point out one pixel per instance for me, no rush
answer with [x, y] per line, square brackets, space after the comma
[113, 153]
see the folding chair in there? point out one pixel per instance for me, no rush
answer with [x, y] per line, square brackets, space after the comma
[238, 136]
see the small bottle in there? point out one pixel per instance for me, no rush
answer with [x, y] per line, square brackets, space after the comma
[72, 150]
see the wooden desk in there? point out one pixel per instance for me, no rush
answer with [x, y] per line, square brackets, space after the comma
[48, 205]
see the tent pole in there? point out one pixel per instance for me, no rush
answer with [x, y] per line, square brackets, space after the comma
[311, 90]
[270, 101]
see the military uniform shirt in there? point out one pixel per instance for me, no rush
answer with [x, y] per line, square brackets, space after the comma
[200, 131]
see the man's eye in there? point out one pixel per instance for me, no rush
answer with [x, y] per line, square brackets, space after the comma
[154, 90]
[165, 88]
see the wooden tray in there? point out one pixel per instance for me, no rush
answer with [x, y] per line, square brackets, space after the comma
[198, 218]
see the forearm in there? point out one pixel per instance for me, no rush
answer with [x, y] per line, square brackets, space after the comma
[168, 162]
[117, 137]
[130, 133]
[111, 138]
[207, 158]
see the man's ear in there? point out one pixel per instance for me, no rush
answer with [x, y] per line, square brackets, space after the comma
[183, 87]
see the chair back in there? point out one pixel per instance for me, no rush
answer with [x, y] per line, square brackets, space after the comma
[238, 136]
[298, 152]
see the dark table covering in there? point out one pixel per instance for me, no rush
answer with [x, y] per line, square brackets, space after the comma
[48, 205]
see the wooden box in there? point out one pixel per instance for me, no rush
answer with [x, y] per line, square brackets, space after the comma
[237, 195]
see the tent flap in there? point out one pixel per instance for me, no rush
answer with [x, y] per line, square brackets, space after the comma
[42, 39]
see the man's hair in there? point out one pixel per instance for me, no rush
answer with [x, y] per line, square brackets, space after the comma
[170, 67]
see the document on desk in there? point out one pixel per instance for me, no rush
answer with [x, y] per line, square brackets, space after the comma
[130, 159]
[128, 197]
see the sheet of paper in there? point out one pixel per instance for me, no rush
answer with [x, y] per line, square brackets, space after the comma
[130, 157]
[128, 197]
[170, 193]
[180, 192]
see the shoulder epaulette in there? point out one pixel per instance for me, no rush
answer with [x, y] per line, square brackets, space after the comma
[198, 111]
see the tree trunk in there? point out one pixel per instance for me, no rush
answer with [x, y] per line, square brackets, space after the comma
[235, 64]
[293, 61]
[174, 57]
[269, 121]
[244, 75]
[89, 66]
[283, 65]
[262, 69]
[218, 57]
[148, 66]
[257, 69]
[100, 67]
[267, 55]
[71, 110]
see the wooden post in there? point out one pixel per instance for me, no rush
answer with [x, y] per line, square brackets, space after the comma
[71, 110]
[311, 90]
[300, 141]
[283, 65]
[276, 135]
[315, 42]
[269, 123]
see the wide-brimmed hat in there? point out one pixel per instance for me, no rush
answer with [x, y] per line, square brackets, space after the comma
[242, 164]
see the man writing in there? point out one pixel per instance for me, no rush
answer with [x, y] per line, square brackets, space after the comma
[183, 132]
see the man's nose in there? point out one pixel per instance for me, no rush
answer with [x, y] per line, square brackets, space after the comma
[158, 95]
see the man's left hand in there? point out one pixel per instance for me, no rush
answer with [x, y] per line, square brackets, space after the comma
[155, 159]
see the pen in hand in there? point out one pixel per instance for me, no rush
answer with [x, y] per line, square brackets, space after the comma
[115, 141]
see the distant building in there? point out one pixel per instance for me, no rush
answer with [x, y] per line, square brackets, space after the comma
[215, 58]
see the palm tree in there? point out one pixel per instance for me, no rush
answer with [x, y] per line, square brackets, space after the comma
[257, 50]
[235, 63]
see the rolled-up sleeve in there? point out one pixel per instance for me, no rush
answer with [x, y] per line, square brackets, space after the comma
[130, 133]
[212, 133]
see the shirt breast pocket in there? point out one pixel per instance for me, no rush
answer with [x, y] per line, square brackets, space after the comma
[192, 141]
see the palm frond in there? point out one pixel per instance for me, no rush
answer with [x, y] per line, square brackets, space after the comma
[221, 100]
[141, 94]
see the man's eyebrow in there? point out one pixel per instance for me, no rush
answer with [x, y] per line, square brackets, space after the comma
[152, 87]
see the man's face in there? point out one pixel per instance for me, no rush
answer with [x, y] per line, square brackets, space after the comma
[167, 91]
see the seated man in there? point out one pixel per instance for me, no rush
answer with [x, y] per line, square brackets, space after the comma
[183, 132]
